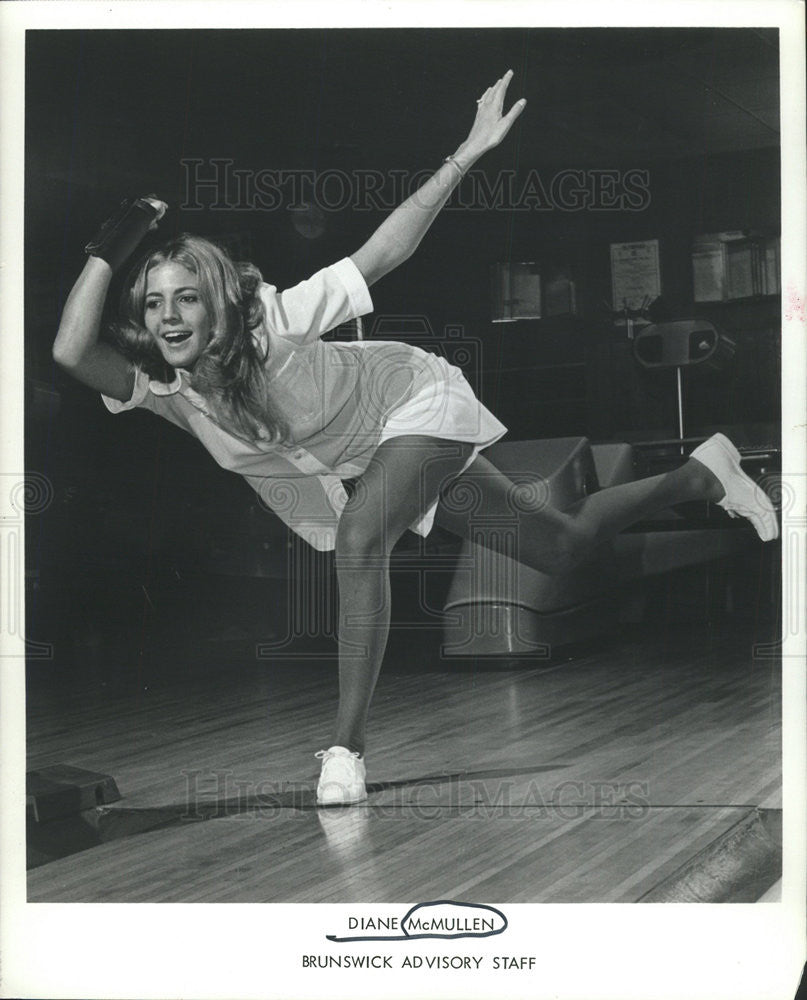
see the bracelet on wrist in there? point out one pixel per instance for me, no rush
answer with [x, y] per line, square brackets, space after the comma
[452, 160]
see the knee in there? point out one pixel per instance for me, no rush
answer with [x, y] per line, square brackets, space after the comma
[357, 538]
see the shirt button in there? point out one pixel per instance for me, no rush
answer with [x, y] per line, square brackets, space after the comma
[298, 454]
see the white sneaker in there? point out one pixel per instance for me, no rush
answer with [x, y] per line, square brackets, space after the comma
[341, 782]
[743, 497]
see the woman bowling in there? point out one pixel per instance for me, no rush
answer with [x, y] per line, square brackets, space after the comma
[205, 343]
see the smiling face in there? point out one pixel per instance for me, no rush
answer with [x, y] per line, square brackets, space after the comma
[175, 315]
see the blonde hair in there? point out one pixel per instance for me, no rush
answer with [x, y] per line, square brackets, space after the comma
[230, 371]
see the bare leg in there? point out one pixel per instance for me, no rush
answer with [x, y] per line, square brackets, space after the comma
[611, 510]
[364, 616]
[553, 541]
[405, 475]
[403, 478]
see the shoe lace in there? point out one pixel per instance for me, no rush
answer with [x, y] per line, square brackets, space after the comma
[327, 754]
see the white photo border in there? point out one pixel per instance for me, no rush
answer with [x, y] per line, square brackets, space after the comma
[143, 950]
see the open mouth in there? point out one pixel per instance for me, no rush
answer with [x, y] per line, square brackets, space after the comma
[177, 337]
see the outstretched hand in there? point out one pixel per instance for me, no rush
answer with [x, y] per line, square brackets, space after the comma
[490, 126]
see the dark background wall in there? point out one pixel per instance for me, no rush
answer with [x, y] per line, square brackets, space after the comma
[115, 113]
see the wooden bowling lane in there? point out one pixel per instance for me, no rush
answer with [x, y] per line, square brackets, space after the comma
[585, 781]
[369, 854]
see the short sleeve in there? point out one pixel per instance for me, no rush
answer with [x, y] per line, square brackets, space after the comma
[139, 393]
[306, 311]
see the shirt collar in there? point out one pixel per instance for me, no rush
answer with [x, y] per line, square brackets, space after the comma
[180, 384]
[168, 389]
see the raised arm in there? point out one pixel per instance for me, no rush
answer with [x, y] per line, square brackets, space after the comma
[398, 236]
[77, 348]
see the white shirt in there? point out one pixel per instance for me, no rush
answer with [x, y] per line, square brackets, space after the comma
[334, 395]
